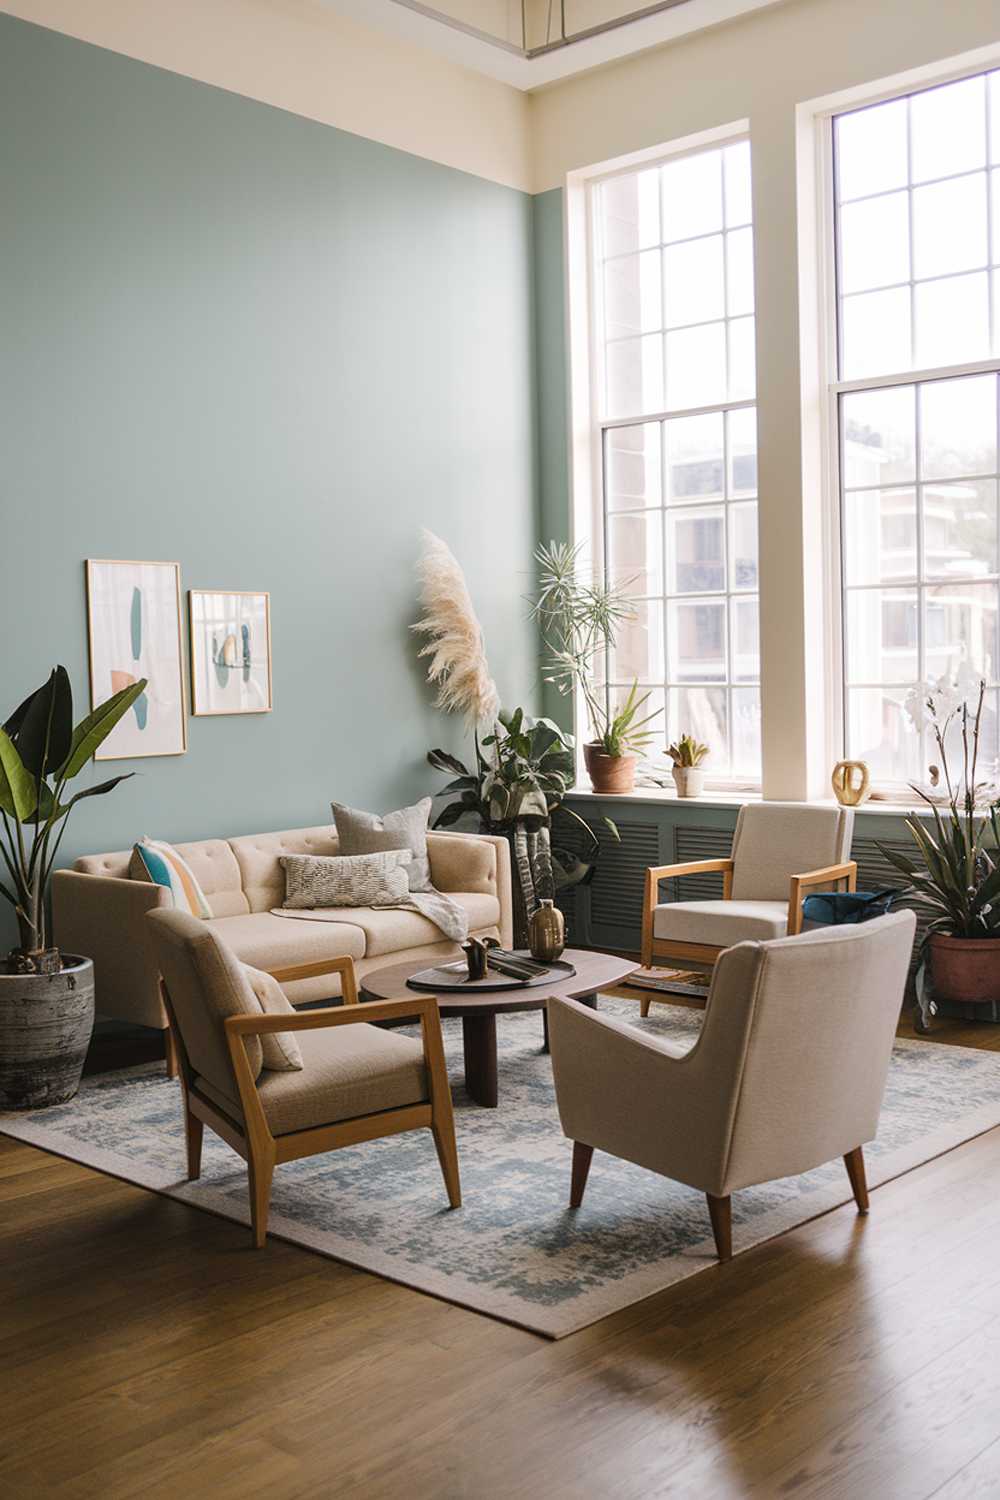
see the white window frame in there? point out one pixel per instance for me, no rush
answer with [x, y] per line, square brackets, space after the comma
[584, 297]
[819, 309]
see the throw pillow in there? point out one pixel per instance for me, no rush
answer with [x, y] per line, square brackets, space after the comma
[358, 833]
[313, 880]
[160, 864]
[280, 1049]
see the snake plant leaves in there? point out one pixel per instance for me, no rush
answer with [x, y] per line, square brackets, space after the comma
[18, 788]
[91, 732]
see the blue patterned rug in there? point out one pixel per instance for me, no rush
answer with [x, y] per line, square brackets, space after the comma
[513, 1251]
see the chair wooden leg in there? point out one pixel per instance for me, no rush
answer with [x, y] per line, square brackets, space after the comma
[854, 1161]
[721, 1212]
[260, 1170]
[170, 1048]
[194, 1130]
[444, 1141]
[583, 1155]
[644, 1005]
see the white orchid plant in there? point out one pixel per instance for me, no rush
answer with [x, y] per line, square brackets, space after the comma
[933, 706]
[957, 875]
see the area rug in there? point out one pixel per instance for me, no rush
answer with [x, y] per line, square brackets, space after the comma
[513, 1251]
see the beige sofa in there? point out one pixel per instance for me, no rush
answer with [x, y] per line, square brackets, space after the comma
[99, 911]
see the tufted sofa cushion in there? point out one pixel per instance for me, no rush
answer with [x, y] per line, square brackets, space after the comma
[258, 856]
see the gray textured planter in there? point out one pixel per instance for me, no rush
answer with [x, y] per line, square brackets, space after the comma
[46, 1021]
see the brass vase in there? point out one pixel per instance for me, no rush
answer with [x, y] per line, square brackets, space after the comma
[546, 932]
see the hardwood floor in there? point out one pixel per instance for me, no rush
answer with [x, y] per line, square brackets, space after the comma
[146, 1349]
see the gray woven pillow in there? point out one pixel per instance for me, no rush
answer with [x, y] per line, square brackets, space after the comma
[313, 880]
[362, 832]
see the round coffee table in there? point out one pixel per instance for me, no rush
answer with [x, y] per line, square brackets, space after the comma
[479, 1009]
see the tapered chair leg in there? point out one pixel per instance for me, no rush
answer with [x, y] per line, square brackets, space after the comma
[261, 1171]
[444, 1141]
[721, 1212]
[644, 1005]
[170, 1051]
[854, 1161]
[194, 1130]
[582, 1157]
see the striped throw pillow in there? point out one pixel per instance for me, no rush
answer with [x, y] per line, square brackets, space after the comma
[161, 864]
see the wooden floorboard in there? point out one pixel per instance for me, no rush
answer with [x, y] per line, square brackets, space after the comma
[145, 1349]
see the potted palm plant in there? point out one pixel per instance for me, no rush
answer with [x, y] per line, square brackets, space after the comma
[578, 620]
[955, 872]
[46, 997]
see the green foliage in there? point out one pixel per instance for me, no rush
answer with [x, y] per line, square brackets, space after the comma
[40, 752]
[578, 621]
[687, 751]
[522, 773]
[624, 732]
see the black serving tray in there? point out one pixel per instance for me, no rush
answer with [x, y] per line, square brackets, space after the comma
[454, 978]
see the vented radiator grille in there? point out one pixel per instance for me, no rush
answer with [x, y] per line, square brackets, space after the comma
[608, 912]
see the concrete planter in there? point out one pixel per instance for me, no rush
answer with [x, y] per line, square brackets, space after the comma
[689, 780]
[965, 970]
[46, 1021]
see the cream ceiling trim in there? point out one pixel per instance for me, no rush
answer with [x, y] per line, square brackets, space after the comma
[301, 56]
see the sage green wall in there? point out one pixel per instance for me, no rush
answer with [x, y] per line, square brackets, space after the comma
[271, 351]
[553, 391]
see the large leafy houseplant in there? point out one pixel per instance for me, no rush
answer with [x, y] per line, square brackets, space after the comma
[521, 775]
[578, 619]
[41, 752]
[954, 872]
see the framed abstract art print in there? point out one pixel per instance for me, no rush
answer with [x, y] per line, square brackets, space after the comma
[134, 630]
[230, 651]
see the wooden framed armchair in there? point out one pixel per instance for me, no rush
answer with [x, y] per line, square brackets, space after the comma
[788, 1073]
[781, 852]
[277, 1084]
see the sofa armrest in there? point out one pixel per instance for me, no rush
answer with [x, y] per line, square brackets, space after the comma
[103, 917]
[457, 864]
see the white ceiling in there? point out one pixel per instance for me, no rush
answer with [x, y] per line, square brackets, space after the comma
[510, 66]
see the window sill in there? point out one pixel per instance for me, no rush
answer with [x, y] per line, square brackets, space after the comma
[656, 796]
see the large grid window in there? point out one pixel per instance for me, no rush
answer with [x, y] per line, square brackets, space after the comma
[917, 188]
[675, 377]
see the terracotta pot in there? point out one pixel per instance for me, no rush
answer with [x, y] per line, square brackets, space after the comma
[965, 970]
[609, 774]
[45, 1025]
[689, 780]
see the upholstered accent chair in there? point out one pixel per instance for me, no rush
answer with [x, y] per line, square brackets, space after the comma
[329, 1078]
[781, 851]
[788, 1073]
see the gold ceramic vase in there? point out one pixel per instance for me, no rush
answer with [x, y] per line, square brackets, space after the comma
[546, 932]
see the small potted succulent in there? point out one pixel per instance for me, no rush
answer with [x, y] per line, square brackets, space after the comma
[687, 755]
[578, 620]
[46, 997]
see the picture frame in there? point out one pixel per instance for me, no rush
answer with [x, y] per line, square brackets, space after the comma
[230, 637]
[134, 631]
